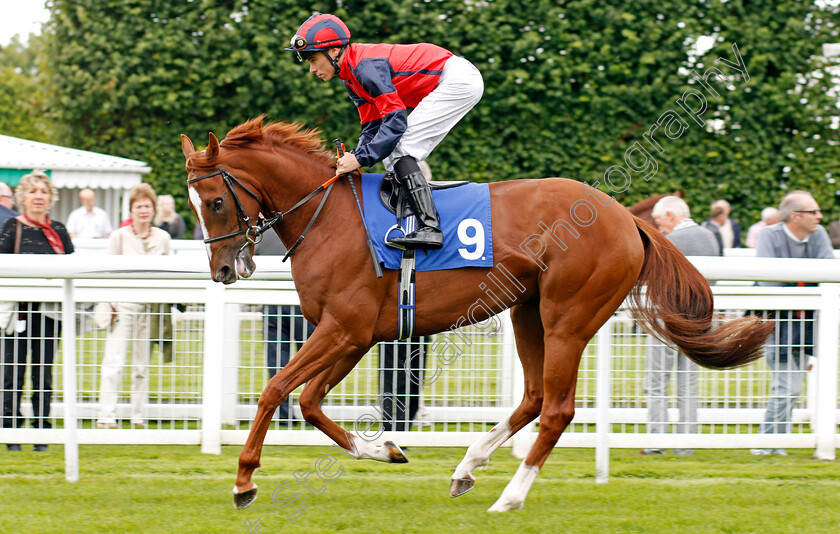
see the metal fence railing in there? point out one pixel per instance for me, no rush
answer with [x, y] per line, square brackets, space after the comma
[207, 364]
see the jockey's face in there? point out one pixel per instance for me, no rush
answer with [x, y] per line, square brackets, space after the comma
[320, 66]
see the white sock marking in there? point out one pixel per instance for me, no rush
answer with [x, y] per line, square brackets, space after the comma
[478, 454]
[513, 496]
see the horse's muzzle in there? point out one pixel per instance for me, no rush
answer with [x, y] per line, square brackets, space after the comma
[225, 274]
[245, 265]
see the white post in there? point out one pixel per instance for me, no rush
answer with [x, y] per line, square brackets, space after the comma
[229, 363]
[602, 403]
[509, 358]
[68, 337]
[827, 341]
[211, 396]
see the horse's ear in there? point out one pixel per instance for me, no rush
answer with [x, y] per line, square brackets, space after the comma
[187, 146]
[212, 147]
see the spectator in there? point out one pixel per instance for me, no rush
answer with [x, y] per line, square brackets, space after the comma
[400, 379]
[672, 216]
[833, 233]
[727, 229]
[132, 320]
[769, 217]
[285, 320]
[7, 203]
[714, 228]
[34, 327]
[168, 219]
[799, 235]
[88, 220]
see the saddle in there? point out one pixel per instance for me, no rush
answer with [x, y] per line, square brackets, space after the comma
[395, 198]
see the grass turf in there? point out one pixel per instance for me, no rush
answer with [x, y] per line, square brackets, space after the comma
[176, 489]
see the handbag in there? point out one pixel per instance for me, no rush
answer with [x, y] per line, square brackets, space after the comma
[104, 315]
[8, 310]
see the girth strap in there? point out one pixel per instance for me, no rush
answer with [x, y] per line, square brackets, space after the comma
[406, 313]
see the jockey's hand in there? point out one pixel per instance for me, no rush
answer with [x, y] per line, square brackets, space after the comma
[347, 163]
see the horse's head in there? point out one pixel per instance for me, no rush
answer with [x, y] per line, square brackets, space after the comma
[226, 209]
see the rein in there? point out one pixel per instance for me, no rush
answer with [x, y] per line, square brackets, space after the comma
[263, 225]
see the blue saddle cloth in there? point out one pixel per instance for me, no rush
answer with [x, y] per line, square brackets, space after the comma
[464, 218]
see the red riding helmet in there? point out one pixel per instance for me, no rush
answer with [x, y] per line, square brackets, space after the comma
[319, 33]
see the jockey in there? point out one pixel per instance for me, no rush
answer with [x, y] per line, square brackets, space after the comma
[385, 81]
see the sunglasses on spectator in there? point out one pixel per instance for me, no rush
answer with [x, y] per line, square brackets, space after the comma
[809, 211]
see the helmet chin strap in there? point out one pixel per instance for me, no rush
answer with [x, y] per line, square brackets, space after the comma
[332, 61]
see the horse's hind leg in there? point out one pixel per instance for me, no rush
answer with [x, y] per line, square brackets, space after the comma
[528, 329]
[569, 325]
[310, 404]
[558, 408]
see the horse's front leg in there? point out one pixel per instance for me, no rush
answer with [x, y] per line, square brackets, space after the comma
[328, 345]
[355, 445]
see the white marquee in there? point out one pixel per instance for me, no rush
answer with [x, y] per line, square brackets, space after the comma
[71, 170]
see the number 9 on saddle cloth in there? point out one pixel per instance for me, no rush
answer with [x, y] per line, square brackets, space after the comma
[465, 218]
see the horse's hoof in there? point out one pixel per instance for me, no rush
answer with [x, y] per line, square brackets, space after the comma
[395, 453]
[244, 499]
[460, 486]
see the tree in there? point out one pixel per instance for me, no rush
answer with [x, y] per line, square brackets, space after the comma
[21, 96]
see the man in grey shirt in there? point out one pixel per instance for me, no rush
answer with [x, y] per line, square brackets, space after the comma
[672, 216]
[799, 235]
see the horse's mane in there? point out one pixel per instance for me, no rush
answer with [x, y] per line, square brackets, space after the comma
[277, 135]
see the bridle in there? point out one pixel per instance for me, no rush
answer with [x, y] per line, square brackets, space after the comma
[253, 233]
[241, 216]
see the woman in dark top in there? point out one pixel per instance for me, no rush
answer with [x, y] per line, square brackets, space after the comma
[34, 327]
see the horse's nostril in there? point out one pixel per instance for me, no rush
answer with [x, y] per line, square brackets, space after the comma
[223, 273]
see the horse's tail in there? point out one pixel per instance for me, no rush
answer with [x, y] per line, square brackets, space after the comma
[677, 304]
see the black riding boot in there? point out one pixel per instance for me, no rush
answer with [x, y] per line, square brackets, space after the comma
[428, 234]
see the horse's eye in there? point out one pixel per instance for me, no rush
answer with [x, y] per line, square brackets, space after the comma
[217, 204]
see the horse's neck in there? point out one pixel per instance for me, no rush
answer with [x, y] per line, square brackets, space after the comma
[285, 190]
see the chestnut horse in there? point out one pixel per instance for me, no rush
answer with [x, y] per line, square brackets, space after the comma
[568, 255]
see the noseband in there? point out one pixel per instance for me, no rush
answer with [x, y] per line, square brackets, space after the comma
[263, 225]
